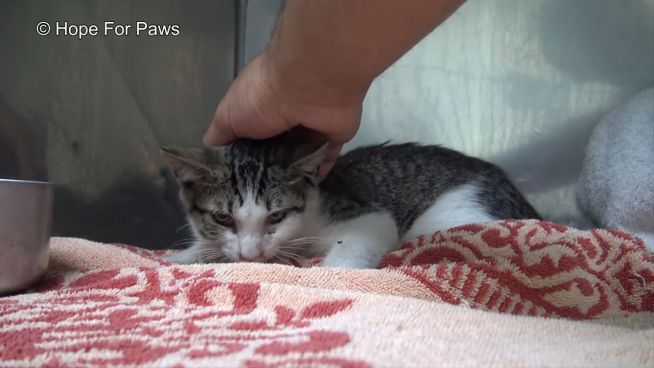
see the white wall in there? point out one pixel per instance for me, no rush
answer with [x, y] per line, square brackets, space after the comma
[517, 82]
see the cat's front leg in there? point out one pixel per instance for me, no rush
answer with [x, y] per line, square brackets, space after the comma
[187, 256]
[361, 242]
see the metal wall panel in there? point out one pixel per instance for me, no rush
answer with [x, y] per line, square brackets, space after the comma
[91, 114]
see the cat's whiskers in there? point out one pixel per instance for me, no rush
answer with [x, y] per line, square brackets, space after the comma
[295, 246]
[187, 238]
[288, 254]
[280, 260]
[209, 250]
[183, 242]
[180, 243]
[206, 250]
[306, 238]
[188, 224]
[215, 255]
[294, 249]
[295, 243]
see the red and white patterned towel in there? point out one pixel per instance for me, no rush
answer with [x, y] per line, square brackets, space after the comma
[114, 305]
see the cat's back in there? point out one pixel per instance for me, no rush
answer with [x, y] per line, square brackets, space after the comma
[408, 166]
[405, 179]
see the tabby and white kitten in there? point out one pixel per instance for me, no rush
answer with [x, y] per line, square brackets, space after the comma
[259, 201]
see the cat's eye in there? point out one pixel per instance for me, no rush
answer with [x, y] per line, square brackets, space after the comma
[277, 217]
[223, 219]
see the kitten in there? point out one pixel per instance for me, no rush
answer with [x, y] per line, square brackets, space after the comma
[260, 201]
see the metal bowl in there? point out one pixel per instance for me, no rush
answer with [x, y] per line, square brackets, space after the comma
[25, 219]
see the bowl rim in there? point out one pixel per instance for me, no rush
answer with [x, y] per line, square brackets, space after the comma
[15, 181]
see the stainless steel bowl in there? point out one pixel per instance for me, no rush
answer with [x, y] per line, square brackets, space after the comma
[25, 218]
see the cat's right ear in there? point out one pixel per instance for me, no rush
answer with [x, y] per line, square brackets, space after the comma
[307, 166]
[187, 164]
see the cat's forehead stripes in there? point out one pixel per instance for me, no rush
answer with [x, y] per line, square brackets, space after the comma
[245, 174]
[249, 177]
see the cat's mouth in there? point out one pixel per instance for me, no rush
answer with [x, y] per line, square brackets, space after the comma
[274, 258]
[259, 259]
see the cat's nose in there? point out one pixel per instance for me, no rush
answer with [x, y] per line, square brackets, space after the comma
[251, 256]
[249, 248]
[257, 259]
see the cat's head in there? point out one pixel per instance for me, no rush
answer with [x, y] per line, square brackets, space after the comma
[247, 201]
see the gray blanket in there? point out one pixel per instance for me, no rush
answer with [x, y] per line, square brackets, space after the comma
[616, 186]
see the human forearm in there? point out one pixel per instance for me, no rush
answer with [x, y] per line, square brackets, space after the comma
[342, 45]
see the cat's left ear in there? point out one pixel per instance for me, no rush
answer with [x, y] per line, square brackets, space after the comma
[187, 164]
[307, 166]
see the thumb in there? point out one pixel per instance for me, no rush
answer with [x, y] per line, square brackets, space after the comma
[220, 131]
[218, 134]
[330, 159]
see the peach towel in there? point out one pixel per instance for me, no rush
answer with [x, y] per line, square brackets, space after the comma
[507, 293]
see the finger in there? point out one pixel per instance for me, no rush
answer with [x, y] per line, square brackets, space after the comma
[220, 132]
[325, 168]
[330, 159]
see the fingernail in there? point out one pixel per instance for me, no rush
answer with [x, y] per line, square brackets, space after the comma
[206, 140]
[210, 137]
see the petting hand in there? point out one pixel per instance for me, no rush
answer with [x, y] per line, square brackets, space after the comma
[261, 104]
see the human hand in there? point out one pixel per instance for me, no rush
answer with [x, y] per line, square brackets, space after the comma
[262, 103]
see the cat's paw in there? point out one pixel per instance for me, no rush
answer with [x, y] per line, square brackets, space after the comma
[181, 258]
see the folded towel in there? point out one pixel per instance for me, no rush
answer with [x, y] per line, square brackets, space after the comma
[616, 185]
[434, 303]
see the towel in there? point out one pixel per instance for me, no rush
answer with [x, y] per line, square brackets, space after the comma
[616, 184]
[506, 293]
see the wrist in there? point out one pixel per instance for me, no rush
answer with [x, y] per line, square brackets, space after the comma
[301, 81]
